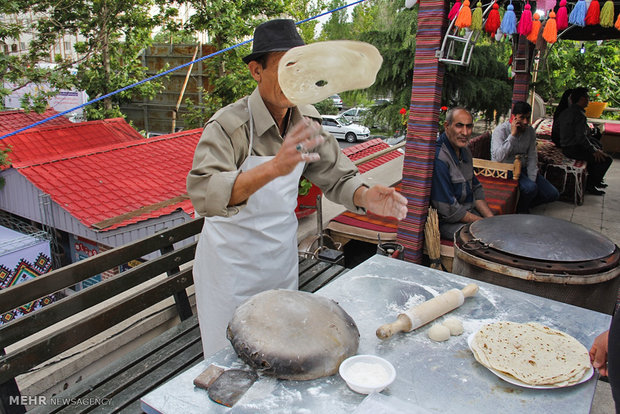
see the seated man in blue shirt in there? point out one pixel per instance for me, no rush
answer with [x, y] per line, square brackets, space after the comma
[517, 137]
[456, 192]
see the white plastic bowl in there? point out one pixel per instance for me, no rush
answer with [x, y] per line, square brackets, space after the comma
[366, 384]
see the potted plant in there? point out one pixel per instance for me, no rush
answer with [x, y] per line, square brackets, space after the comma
[306, 198]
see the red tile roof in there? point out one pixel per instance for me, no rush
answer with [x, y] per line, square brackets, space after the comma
[359, 151]
[120, 184]
[13, 120]
[46, 143]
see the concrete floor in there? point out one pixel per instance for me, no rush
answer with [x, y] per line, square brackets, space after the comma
[600, 213]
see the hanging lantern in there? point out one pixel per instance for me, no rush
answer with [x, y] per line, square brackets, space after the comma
[410, 3]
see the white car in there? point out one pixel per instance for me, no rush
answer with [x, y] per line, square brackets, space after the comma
[340, 128]
[337, 101]
[356, 115]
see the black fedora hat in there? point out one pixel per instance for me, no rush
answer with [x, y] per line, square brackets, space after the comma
[274, 36]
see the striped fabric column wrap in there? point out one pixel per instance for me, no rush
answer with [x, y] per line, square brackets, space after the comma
[521, 86]
[422, 126]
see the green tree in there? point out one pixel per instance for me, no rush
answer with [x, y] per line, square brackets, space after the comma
[483, 86]
[227, 22]
[4, 161]
[113, 33]
[598, 68]
[302, 9]
[393, 33]
[336, 27]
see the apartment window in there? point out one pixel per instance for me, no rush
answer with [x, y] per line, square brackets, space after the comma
[68, 46]
[14, 47]
[22, 45]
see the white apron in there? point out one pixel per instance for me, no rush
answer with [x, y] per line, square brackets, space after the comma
[250, 252]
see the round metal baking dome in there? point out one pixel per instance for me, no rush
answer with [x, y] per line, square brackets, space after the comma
[541, 238]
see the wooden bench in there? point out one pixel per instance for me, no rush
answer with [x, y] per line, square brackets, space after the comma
[118, 386]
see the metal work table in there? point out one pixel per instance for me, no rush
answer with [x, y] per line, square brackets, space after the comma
[430, 377]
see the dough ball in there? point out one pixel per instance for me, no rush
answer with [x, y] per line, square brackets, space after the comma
[439, 333]
[455, 326]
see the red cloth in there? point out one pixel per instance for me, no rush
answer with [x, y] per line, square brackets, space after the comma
[612, 128]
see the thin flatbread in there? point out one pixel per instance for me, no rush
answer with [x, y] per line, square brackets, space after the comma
[308, 74]
[532, 353]
[292, 335]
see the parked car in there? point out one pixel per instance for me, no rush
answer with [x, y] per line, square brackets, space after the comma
[382, 101]
[337, 101]
[340, 128]
[355, 115]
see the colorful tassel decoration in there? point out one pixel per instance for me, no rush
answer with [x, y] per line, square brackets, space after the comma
[533, 36]
[593, 16]
[607, 14]
[509, 22]
[454, 10]
[550, 33]
[561, 18]
[493, 20]
[476, 17]
[464, 17]
[617, 25]
[578, 15]
[525, 23]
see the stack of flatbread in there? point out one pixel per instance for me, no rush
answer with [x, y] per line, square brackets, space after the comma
[532, 353]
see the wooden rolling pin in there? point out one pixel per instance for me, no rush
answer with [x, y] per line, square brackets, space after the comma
[430, 310]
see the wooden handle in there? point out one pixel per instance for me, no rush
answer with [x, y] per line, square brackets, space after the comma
[470, 290]
[428, 311]
[401, 324]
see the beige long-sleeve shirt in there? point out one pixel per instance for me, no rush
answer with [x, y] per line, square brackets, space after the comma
[224, 146]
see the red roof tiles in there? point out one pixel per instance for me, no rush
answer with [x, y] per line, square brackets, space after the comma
[46, 143]
[16, 119]
[364, 149]
[116, 185]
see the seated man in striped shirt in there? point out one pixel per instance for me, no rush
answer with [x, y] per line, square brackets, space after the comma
[456, 193]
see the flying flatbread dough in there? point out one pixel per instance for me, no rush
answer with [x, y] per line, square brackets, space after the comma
[308, 74]
[293, 335]
[531, 352]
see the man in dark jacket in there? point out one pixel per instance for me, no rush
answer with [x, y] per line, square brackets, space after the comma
[456, 192]
[573, 132]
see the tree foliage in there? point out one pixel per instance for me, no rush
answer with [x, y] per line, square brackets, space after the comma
[598, 69]
[483, 86]
[112, 35]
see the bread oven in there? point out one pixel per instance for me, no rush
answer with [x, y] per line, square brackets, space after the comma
[544, 256]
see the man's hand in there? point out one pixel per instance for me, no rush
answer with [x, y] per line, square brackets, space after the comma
[515, 124]
[598, 353]
[381, 200]
[299, 141]
[599, 156]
